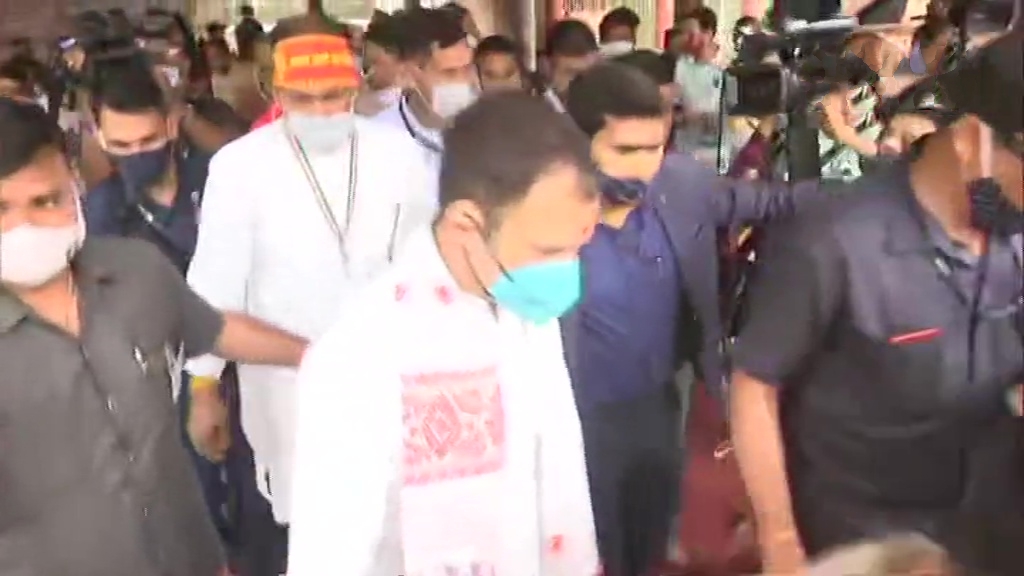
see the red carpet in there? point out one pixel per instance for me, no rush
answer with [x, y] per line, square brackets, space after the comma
[714, 532]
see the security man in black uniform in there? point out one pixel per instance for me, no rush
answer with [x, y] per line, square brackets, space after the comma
[884, 340]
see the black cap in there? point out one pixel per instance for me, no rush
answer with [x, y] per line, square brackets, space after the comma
[990, 85]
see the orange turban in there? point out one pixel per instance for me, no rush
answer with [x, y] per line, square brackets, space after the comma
[315, 61]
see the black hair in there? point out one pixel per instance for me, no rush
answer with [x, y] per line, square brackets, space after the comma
[128, 86]
[611, 90]
[621, 16]
[706, 19]
[425, 29]
[654, 65]
[571, 38]
[306, 24]
[456, 8]
[744, 21]
[498, 44]
[27, 132]
[384, 31]
[215, 27]
[496, 149]
[17, 69]
[246, 11]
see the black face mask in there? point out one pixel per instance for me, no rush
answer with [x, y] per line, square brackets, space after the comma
[621, 191]
[990, 210]
[142, 170]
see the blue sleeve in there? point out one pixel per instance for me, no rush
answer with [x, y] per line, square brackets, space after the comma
[733, 201]
[103, 207]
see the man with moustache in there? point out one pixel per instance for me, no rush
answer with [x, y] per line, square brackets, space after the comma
[297, 216]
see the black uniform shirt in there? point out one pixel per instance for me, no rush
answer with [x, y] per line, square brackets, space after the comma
[94, 480]
[890, 382]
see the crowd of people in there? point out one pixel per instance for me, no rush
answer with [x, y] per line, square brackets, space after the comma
[310, 299]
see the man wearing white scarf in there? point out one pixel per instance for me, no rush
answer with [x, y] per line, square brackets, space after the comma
[438, 431]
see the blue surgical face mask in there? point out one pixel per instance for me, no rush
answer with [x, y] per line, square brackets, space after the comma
[621, 190]
[321, 134]
[143, 170]
[541, 292]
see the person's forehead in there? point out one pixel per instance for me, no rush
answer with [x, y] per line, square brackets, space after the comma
[573, 63]
[633, 131]
[317, 93]
[689, 25]
[130, 126]
[498, 60]
[48, 172]
[457, 55]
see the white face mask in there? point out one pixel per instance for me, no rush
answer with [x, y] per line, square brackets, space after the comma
[450, 99]
[617, 48]
[31, 256]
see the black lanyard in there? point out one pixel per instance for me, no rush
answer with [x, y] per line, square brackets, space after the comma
[154, 223]
[420, 138]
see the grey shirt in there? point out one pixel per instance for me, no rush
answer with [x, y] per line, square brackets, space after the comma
[94, 480]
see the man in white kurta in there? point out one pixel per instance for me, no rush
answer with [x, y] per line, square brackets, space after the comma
[297, 216]
[438, 431]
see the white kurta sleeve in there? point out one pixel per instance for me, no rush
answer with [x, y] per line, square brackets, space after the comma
[222, 261]
[345, 455]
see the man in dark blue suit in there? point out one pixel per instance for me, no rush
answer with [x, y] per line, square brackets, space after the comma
[650, 300]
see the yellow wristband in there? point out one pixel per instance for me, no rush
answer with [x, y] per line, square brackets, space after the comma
[203, 383]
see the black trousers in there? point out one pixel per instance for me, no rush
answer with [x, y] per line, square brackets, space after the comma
[634, 457]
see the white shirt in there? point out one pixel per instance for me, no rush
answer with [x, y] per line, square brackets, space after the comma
[429, 140]
[435, 434]
[266, 248]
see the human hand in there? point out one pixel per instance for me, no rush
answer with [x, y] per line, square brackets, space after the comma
[207, 425]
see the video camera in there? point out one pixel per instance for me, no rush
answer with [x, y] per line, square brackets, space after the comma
[804, 62]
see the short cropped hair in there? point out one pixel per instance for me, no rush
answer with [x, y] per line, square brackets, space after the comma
[425, 29]
[611, 90]
[128, 86]
[621, 16]
[706, 19]
[385, 32]
[497, 148]
[658, 67]
[27, 132]
[571, 38]
[497, 44]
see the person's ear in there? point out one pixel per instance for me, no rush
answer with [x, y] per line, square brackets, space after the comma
[466, 217]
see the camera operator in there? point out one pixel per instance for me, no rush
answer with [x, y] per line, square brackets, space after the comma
[850, 127]
[170, 43]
